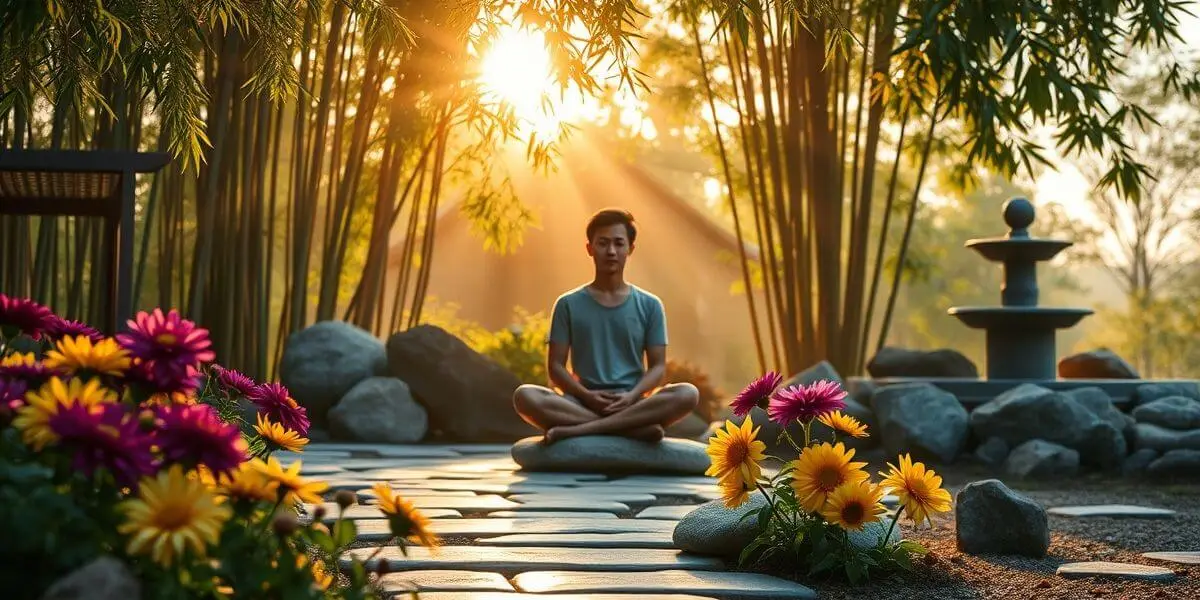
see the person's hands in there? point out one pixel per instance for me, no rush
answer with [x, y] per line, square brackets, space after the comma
[620, 402]
[598, 402]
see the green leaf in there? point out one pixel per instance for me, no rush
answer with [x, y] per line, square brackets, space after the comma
[344, 532]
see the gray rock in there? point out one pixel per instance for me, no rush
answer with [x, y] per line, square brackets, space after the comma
[1114, 511]
[378, 409]
[612, 454]
[1183, 558]
[468, 396]
[1103, 446]
[1176, 463]
[1029, 412]
[510, 561]
[690, 427]
[862, 391]
[1137, 462]
[992, 451]
[902, 362]
[443, 581]
[1165, 440]
[1172, 412]
[992, 519]
[104, 578]
[731, 586]
[714, 530]
[1115, 570]
[1038, 459]
[321, 363]
[872, 532]
[1101, 404]
[1100, 363]
[922, 419]
[817, 372]
[1149, 392]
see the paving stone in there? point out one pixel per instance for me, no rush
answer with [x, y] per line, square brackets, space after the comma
[308, 470]
[549, 514]
[612, 454]
[1115, 569]
[572, 504]
[724, 585]
[1187, 558]
[477, 486]
[518, 596]
[444, 581]
[509, 561]
[386, 450]
[697, 480]
[363, 511]
[377, 529]
[1126, 511]
[581, 540]
[584, 496]
[484, 503]
[673, 513]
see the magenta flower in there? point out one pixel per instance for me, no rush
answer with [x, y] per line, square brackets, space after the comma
[757, 393]
[22, 315]
[804, 403]
[60, 328]
[105, 437]
[167, 350]
[195, 435]
[274, 401]
[32, 372]
[235, 381]
[12, 393]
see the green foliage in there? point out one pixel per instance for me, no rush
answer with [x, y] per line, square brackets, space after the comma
[520, 347]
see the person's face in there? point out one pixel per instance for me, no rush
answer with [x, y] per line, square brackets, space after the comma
[609, 247]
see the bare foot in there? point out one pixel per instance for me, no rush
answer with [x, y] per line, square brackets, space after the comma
[560, 432]
[649, 433]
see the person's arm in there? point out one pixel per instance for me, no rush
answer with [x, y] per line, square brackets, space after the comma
[558, 348]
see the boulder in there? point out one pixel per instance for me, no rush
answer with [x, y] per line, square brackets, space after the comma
[713, 530]
[1038, 459]
[467, 395]
[1176, 463]
[992, 519]
[1165, 440]
[1136, 463]
[862, 391]
[1101, 404]
[1149, 392]
[1101, 363]
[1171, 412]
[378, 409]
[992, 451]
[817, 372]
[902, 362]
[322, 362]
[612, 454]
[922, 419]
[105, 578]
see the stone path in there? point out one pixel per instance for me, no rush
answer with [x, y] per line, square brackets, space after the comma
[516, 535]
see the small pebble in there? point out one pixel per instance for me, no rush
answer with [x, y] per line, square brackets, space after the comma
[1044, 584]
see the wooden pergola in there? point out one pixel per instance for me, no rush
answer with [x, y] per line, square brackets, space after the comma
[84, 183]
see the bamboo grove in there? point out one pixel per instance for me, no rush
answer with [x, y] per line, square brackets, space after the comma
[838, 107]
[307, 134]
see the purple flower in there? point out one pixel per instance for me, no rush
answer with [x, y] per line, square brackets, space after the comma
[234, 380]
[60, 328]
[167, 350]
[12, 393]
[26, 368]
[105, 436]
[757, 393]
[196, 435]
[24, 315]
[273, 401]
[804, 403]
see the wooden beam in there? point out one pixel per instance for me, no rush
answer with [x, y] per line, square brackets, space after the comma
[108, 208]
[83, 161]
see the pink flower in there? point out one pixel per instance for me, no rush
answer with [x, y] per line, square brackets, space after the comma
[22, 315]
[105, 437]
[167, 350]
[234, 380]
[274, 401]
[60, 328]
[804, 403]
[195, 435]
[757, 393]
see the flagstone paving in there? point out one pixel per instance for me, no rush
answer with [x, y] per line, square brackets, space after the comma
[1121, 511]
[582, 540]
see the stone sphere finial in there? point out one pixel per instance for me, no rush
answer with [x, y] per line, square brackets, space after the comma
[1018, 214]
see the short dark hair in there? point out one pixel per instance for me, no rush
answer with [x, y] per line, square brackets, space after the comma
[609, 217]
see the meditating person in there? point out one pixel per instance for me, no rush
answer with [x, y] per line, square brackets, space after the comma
[615, 334]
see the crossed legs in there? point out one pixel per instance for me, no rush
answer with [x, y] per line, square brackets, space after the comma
[646, 420]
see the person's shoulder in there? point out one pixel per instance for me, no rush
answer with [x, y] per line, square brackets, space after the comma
[571, 295]
[645, 296]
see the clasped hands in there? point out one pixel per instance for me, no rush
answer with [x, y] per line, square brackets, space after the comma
[607, 403]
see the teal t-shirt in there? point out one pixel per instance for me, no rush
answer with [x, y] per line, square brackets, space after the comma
[607, 343]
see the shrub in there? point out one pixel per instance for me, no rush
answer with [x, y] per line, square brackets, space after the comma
[134, 447]
[711, 398]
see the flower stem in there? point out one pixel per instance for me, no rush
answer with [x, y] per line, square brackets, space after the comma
[792, 441]
[807, 433]
[892, 526]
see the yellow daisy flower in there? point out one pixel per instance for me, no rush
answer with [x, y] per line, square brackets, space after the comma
[16, 359]
[854, 504]
[919, 489]
[735, 450]
[33, 419]
[72, 355]
[171, 514]
[249, 482]
[404, 518]
[291, 484]
[321, 577]
[172, 399]
[278, 435]
[820, 470]
[734, 490]
[844, 423]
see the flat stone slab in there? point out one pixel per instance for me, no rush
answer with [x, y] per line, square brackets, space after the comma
[444, 581]
[582, 495]
[549, 514]
[612, 454]
[1186, 558]
[656, 490]
[1115, 569]
[582, 540]
[484, 503]
[510, 561]
[1122, 511]
[377, 529]
[314, 469]
[723, 585]
[571, 504]
[386, 450]
[673, 513]
[363, 511]
[518, 596]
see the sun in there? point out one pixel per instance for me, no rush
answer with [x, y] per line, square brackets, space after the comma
[516, 69]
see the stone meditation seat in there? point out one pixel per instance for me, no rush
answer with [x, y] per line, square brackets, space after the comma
[612, 454]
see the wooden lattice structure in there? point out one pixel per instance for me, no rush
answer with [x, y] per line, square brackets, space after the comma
[84, 183]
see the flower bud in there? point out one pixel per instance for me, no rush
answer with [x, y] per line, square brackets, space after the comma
[318, 514]
[146, 420]
[345, 498]
[284, 524]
